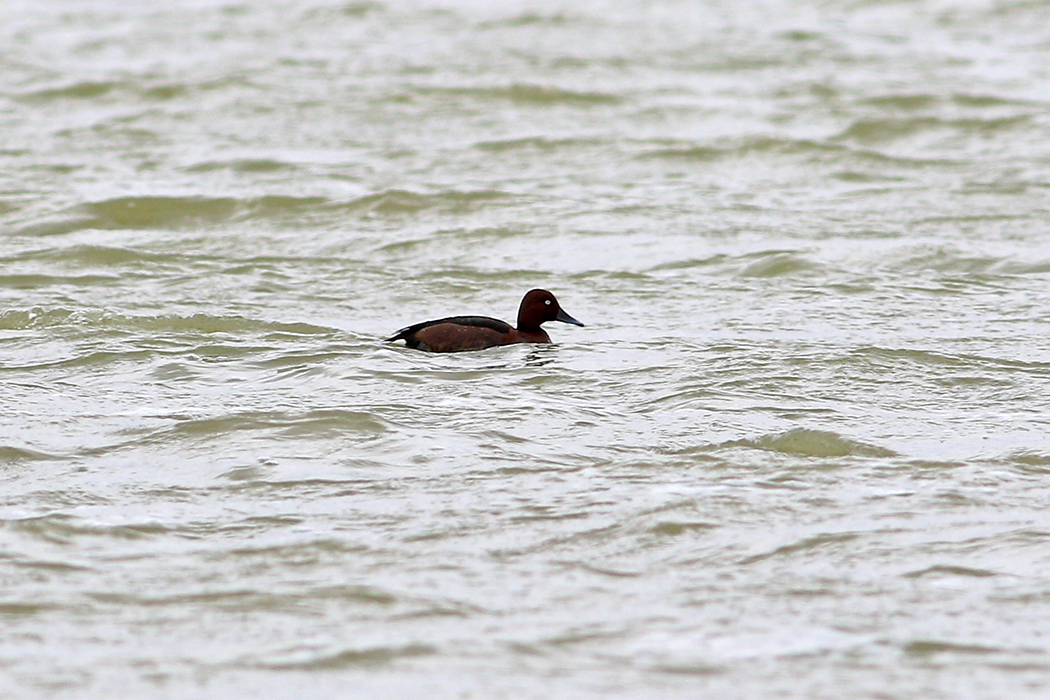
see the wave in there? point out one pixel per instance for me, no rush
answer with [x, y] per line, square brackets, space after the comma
[1030, 461]
[804, 545]
[197, 323]
[882, 130]
[924, 648]
[534, 19]
[910, 259]
[348, 658]
[777, 264]
[94, 256]
[166, 212]
[397, 201]
[243, 165]
[9, 454]
[807, 442]
[145, 90]
[77, 90]
[31, 281]
[830, 150]
[540, 143]
[949, 259]
[944, 571]
[64, 529]
[767, 263]
[918, 101]
[317, 423]
[528, 94]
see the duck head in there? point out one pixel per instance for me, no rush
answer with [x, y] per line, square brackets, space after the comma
[538, 307]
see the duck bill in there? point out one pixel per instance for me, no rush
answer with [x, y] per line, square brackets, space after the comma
[566, 318]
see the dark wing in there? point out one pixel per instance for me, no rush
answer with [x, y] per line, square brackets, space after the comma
[477, 321]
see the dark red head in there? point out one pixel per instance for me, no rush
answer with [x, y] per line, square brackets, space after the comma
[538, 307]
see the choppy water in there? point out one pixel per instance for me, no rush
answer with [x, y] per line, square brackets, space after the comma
[799, 450]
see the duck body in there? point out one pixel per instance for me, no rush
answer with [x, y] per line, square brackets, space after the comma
[464, 333]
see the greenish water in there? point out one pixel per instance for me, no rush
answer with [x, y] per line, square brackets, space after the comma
[799, 450]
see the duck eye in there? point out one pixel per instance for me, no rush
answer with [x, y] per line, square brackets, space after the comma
[547, 302]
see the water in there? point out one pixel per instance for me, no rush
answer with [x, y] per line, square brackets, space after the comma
[799, 450]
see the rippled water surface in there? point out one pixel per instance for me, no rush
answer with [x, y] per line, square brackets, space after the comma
[799, 450]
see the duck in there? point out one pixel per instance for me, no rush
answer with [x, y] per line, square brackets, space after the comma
[464, 333]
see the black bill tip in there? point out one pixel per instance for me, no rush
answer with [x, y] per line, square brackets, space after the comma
[566, 318]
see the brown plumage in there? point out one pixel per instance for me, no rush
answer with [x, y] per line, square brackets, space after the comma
[460, 333]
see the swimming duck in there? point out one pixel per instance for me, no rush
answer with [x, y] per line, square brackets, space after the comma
[460, 333]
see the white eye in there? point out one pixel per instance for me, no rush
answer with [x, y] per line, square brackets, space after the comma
[547, 302]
